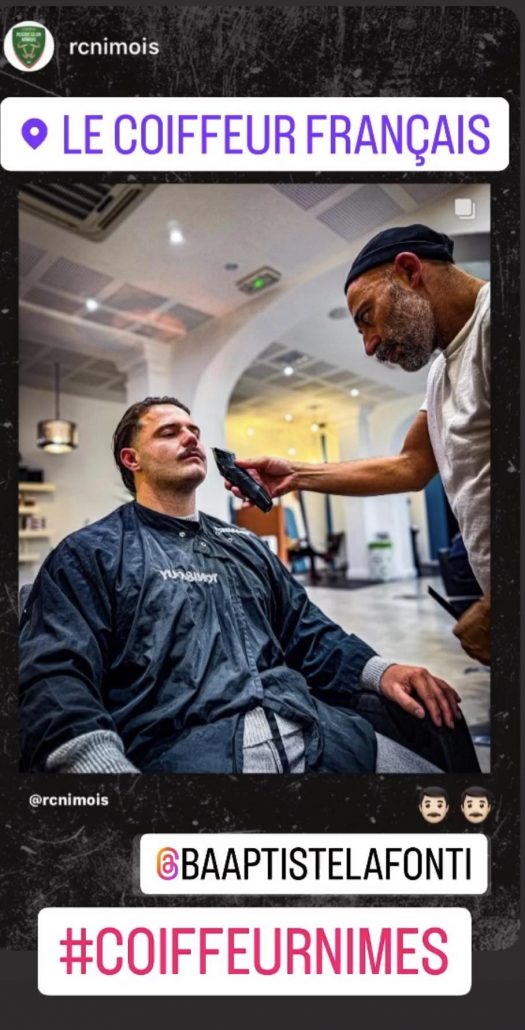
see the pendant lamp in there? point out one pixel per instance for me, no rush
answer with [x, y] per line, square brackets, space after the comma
[57, 435]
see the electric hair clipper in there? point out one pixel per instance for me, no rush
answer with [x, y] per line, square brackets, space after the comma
[225, 461]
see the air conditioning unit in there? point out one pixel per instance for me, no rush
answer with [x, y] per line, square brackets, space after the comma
[92, 211]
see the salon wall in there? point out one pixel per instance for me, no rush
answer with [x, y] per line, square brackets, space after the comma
[88, 485]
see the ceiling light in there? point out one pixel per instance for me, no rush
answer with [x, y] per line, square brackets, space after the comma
[288, 371]
[259, 280]
[250, 431]
[314, 427]
[91, 304]
[291, 451]
[57, 435]
[176, 236]
[354, 392]
[288, 418]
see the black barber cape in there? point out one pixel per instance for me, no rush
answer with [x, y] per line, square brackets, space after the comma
[167, 632]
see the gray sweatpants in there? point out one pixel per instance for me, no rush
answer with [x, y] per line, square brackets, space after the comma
[265, 748]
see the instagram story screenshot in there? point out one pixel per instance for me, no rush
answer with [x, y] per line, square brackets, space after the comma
[260, 715]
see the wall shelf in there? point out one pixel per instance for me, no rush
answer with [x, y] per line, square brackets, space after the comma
[36, 488]
[26, 556]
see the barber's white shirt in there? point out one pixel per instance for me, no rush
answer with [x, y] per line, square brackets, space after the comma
[458, 412]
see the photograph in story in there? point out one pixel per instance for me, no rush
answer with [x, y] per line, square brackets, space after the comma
[254, 478]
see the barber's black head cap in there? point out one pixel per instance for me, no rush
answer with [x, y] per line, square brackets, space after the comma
[418, 239]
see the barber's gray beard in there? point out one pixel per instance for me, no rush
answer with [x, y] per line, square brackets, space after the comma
[413, 328]
[412, 356]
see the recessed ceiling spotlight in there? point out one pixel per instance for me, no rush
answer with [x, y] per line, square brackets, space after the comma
[292, 451]
[288, 418]
[231, 266]
[91, 304]
[288, 371]
[176, 236]
[338, 313]
[354, 392]
[314, 427]
[250, 431]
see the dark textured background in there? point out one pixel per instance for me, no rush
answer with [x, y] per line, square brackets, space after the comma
[81, 857]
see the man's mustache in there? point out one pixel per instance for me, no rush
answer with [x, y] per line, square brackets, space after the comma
[385, 350]
[192, 452]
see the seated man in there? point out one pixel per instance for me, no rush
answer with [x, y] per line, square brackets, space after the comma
[160, 640]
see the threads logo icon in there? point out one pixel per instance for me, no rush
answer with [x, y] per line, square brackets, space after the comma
[167, 863]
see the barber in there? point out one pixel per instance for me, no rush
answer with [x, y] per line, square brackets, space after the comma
[410, 302]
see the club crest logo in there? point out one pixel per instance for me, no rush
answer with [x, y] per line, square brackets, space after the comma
[29, 46]
[28, 43]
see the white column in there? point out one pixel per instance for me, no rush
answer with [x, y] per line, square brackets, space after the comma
[391, 513]
[367, 516]
[355, 515]
[149, 374]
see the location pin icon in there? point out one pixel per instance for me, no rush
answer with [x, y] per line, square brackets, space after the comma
[34, 132]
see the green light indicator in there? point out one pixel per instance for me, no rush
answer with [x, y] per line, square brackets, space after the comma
[258, 283]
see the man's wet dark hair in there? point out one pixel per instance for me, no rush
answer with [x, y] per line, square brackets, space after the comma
[127, 428]
[433, 792]
[477, 792]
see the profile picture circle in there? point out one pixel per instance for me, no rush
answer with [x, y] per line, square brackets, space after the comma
[29, 46]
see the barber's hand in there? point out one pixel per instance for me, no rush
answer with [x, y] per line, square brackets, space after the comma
[473, 630]
[274, 474]
[406, 683]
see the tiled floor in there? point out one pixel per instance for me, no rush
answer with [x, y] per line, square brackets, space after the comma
[401, 622]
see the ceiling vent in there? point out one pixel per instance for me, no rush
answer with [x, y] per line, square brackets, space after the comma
[292, 357]
[308, 194]
[92, 211]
